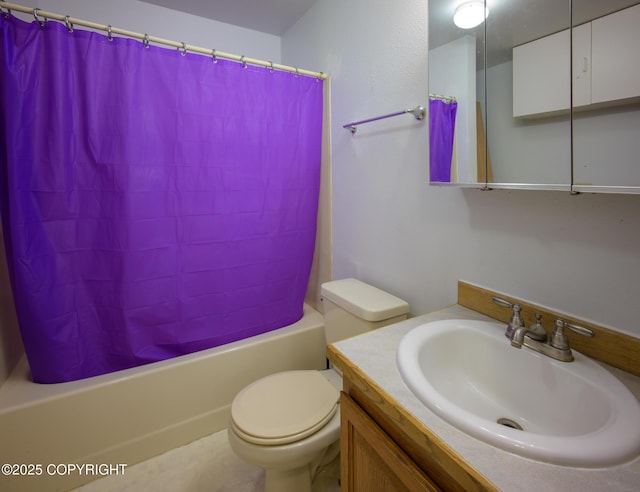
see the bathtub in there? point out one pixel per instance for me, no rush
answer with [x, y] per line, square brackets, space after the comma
[132, 415]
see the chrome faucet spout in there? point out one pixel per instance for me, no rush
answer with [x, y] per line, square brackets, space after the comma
[518, 337]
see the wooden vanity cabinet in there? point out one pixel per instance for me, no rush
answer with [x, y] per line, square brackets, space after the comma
[384, 448]
[370, 460]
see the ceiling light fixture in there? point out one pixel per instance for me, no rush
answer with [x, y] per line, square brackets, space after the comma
[470, 14]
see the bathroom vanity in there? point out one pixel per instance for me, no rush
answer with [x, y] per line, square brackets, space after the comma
[392, 441]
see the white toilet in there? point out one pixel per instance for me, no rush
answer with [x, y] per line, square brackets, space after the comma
[289, 423]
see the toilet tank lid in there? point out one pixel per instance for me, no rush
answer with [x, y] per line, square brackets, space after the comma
[364, 300]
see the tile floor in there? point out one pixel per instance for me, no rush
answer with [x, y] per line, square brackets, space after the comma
[205, 465]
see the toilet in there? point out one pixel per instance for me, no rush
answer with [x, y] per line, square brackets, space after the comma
[289, 423]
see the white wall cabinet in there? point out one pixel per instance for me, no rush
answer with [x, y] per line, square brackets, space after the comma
[582, 65]
[615, 55]
[541, 84]
[606, 66]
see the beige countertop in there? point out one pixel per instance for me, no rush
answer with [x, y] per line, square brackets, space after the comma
[374, 353]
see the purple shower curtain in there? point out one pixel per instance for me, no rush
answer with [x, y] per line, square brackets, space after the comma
[442, 125]
[153, 204]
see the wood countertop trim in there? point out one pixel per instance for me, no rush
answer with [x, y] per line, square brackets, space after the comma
[611, 347]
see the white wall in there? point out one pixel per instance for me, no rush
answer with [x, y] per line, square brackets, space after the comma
[169, 24]
[578, 254]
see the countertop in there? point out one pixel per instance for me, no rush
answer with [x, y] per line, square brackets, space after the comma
[374, 353]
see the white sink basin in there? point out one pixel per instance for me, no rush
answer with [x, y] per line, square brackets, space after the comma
[572, 413]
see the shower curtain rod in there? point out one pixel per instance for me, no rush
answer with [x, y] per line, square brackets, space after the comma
[39, 14]
[418, 112]
[442, 98]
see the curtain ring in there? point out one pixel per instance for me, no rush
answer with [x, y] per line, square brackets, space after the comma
[214, 57]
[297, 72]
[183, 49]
[244, 63]
[68, 23]
[6, 14]
[145, 41]
[35, 16]
[109, 37]
[319, 78]
[271, 66]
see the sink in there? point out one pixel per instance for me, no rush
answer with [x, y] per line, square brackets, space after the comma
[566, 413]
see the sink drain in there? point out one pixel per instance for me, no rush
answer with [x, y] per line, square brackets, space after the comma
[509, 423]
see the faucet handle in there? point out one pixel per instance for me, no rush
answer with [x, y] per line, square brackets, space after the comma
[503, 302]
[580, 330]
[559, 338]
[516, 319]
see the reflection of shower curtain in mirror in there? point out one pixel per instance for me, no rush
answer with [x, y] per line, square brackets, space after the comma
[442, 124]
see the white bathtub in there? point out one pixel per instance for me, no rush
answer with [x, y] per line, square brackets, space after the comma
[132, 415]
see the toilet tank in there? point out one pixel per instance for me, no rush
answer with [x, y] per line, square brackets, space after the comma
[352, 307]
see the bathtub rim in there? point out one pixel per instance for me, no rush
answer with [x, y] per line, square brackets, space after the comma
[19, 390]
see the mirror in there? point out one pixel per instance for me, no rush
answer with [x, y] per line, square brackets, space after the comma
[527, 132]
[528, 93]
[456, 147]
[606, 96]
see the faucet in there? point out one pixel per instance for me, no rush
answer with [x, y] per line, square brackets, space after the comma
[535, 337]
[516, 321]
[557, 347]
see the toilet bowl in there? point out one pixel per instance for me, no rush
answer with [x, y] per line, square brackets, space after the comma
[288, 423]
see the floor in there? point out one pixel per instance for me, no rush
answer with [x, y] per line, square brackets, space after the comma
[206, 465]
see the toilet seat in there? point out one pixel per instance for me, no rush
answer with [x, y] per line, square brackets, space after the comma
[284, 407]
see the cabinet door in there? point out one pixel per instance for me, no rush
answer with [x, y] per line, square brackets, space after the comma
[370, 460]
[615, 42]
[541, 78]
[582, 65]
